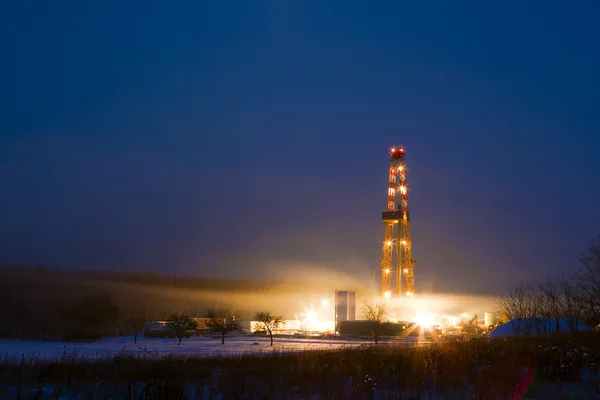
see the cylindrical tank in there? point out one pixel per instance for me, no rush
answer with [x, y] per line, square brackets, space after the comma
[490, 318]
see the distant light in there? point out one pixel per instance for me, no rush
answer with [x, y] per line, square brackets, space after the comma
[310, 316]
[401, 150]
[389, 243]
[393, 149]
[424, 320]
[387, 295]
[403, 243]
[403, 189]
[406, 270]
[324, 302]
[401, 168]
[387, 271]
[409, 293]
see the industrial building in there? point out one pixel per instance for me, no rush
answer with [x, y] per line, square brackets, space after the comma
[365, 328]
[164, 329]
[291, 325]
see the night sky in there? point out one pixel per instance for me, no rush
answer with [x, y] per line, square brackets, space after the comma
[234, 139]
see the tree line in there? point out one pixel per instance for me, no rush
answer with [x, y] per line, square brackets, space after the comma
[12, 272]
[39, 303]
[95, 315]
[562, 303]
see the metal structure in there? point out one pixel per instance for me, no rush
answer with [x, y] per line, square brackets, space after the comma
[396, 261]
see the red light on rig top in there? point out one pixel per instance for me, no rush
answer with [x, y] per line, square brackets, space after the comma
[401, 150]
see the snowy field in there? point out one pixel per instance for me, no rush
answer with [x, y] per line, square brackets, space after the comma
[195, 346]
[341, 380]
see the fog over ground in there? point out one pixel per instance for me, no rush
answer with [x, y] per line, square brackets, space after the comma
[292, 291]
[303, 288]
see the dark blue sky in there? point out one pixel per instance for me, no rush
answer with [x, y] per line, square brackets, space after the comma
[224, 138]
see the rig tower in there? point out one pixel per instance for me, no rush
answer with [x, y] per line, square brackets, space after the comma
[396, 239]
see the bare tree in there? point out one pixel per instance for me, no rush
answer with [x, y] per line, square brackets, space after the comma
[574, 298]
[573, 302]
[524, 307]
[270, 322]
[588, 281]
[376, 314]
[134, 321]
[534, 309]
[514, 305]
[552, 303]
[222, 320]
[182, 325]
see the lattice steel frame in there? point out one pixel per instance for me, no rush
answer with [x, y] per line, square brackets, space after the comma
[397, 237]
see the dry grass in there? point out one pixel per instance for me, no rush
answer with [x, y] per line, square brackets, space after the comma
[477, 369]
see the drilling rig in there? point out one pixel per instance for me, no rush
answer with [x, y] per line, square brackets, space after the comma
[396, 261]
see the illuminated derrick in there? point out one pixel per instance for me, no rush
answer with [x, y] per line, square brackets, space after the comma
[396, 239]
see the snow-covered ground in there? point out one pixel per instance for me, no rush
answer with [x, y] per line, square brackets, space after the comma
[238, 345]
[195, 346]
[536, 326]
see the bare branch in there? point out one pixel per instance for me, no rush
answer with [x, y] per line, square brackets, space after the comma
[270, 322]
[376, 314]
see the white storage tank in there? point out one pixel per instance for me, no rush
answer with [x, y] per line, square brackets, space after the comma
[490, 318]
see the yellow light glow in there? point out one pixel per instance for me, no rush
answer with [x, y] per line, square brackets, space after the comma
[409, 293]
[389, 243]
[393, 149]
[387, 271]
[425, 320]
[324, 302]
[387, 295]
[406, 270]
[403, 243]
[403, 189]
[310, 317]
